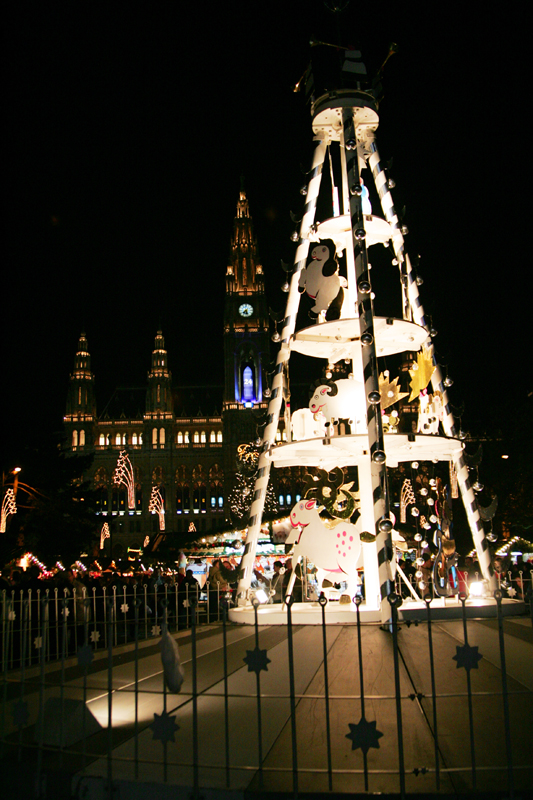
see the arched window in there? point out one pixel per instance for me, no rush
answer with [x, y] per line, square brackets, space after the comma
[117, 438]
[154, 437]
[101, 440]
[179, 438]
[186, 438]
[196, 437]
[212, 437]
[74, 438]
[134, 439]
[219, 436]
[140, 438]
[248, 393]
[161, 436]
[203, 437]
[82, 438]
[102, 500]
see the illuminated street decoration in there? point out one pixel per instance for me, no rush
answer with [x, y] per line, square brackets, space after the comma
[357, 435]
[157, 506]
[123, 476]
[9, 507]
[104, 534]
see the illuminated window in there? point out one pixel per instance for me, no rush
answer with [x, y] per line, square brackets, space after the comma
[158, 393]
[117, 438]
[180, 437]
[281, 499]
[79, 396]
[101, 440]
[74, 438]
[134, 439]
[247, 385]
[140, 438]
[288, 498]
[161, 436]
[219, 436]
[196, 437]
[186, 437]
[154, 437]
[203, 437]
[82, 438]
[212, 437]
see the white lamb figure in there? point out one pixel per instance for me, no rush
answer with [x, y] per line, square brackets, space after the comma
[343, 399]
[334, 551]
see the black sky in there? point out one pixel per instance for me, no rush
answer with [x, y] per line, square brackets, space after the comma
[128, 131]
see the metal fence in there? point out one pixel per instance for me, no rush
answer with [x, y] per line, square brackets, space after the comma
[366, 740]
[74, 615]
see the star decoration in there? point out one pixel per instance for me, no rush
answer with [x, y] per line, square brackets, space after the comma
[20, 713]
[95, 636]
[38, 642]
[85, 656]
[66, 612]
[421, 373]
[511, 591]
[257, 660]
[124, 608]
[364, 735]
[11, 615]
[156, 630]
[389, 391]
[467, 657]
[164, 727]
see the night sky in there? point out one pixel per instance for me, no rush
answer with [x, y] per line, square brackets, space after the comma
[129, 130]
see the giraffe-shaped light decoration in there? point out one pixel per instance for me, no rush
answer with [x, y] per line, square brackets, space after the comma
[157, 506]
[9, 507]
[124, 476]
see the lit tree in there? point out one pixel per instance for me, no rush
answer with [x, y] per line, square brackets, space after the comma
[241, 495]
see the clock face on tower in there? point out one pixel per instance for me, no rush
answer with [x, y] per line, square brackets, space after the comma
[246, 310]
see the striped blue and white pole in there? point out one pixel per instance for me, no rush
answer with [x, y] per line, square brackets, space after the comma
[378, 469]
[274, 406]
[413, 310]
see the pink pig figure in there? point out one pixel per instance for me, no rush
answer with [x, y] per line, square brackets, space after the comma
[334, 551]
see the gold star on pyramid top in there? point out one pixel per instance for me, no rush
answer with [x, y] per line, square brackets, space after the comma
[389, 390]
[421, 373]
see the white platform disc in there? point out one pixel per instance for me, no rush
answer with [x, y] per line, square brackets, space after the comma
[340, 338]
[345, 451]
[339, 229]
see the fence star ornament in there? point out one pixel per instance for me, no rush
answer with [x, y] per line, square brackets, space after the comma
[257, 660]
[164, 727]
[467, 657]
[364, 735]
